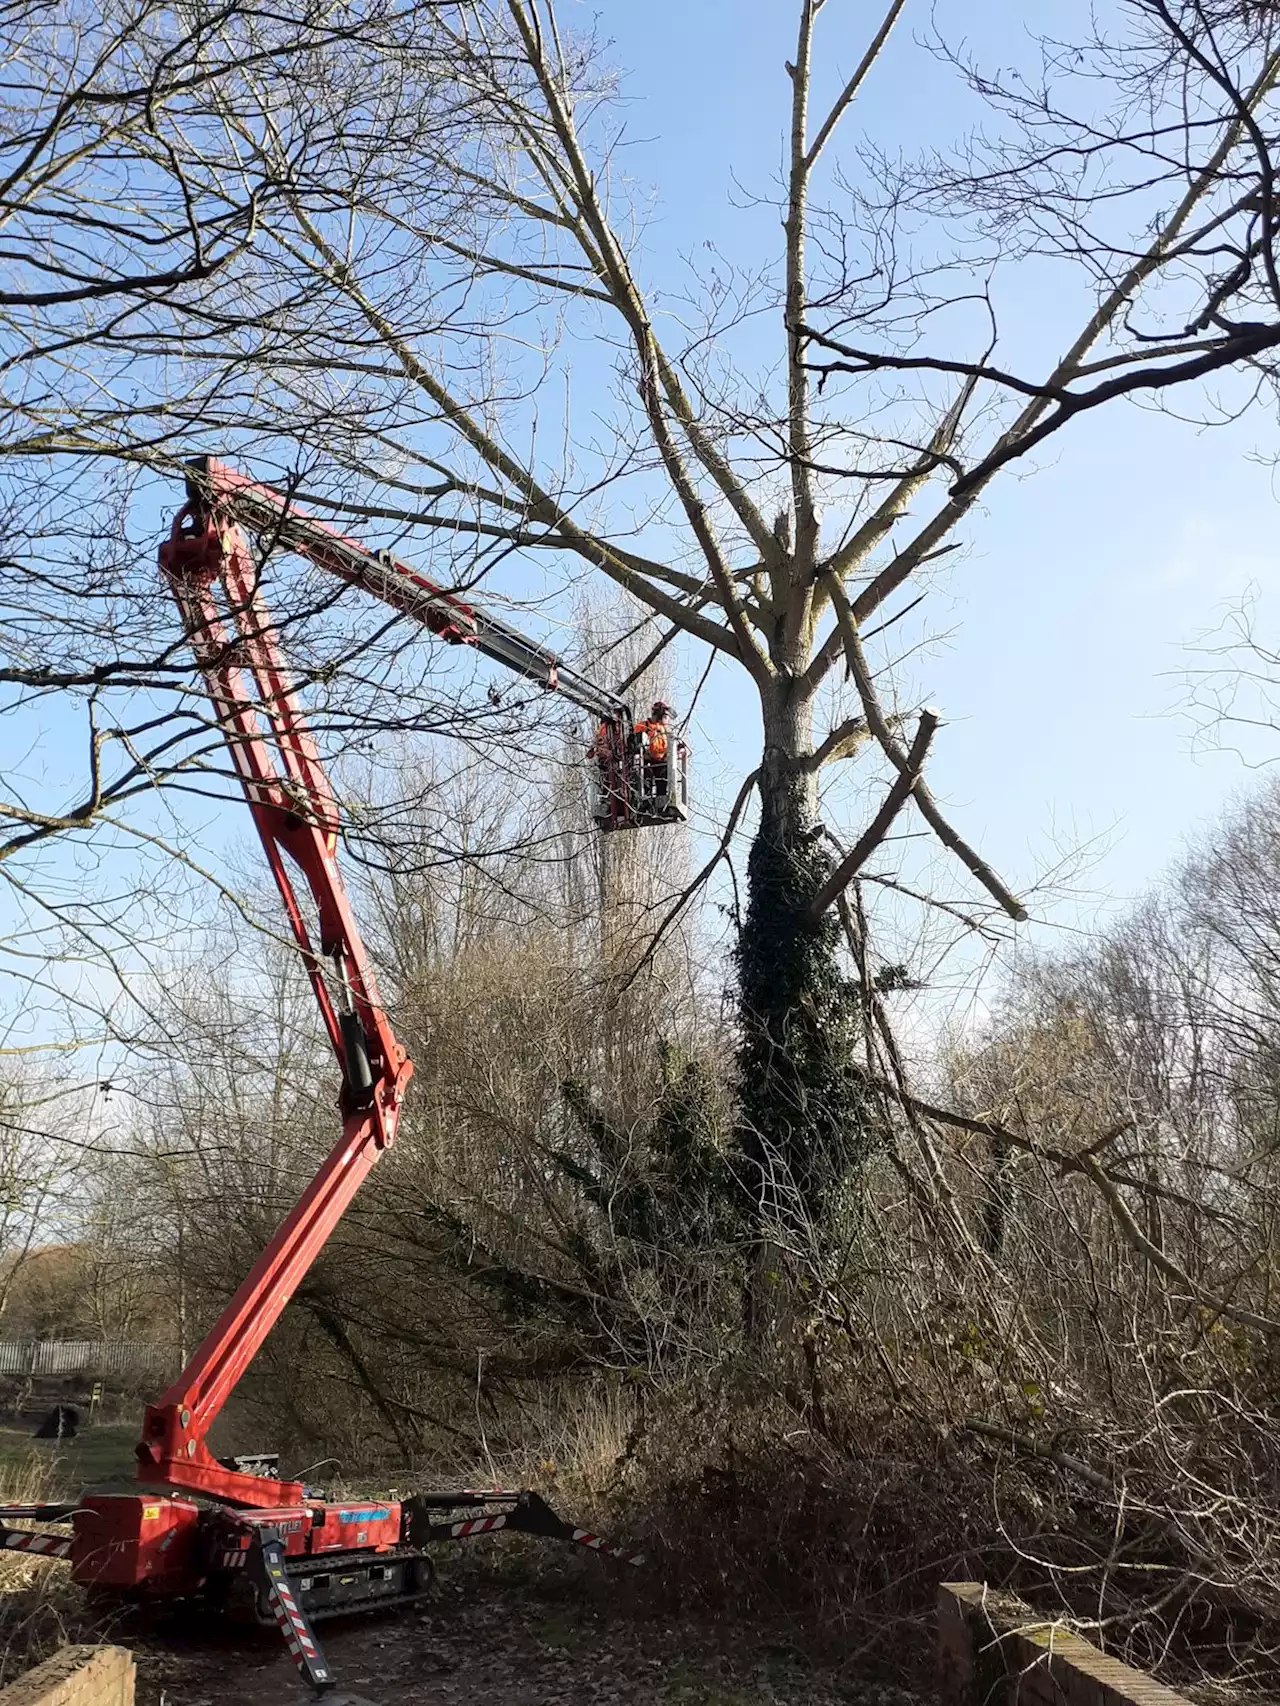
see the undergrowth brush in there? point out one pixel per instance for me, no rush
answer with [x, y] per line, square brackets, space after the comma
[41, 1608]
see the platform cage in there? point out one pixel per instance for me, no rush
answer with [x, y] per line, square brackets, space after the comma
[633, 790]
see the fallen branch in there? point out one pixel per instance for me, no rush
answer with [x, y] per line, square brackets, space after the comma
[1067, 1160]
[1046, 1453]
[1137, 1238]
[1108, 1183]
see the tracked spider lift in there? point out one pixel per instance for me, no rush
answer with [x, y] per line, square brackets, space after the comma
[230, 1530]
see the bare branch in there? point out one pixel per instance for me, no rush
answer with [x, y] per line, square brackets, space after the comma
[893, 750]
[844, 99]
[903, 786]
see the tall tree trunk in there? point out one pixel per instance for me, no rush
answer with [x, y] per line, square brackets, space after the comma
[801, 1093]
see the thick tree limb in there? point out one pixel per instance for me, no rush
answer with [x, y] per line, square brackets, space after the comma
[799, 426]
[1138, 1240]
[619, 281]
[833, 645]
[893, 750]
[1243, 346]
[848, 737]
[845, 98]
[1047, 1454]
[904, 784]
[857, 361]
[1067, 1161]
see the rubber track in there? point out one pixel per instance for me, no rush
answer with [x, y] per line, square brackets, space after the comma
[323, 1563]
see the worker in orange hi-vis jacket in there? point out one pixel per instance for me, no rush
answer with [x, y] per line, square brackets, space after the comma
[654, 733]
[653, 738]
[613, 761]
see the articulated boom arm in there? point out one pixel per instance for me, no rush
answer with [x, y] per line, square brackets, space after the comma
[211, 569]
[215, 580]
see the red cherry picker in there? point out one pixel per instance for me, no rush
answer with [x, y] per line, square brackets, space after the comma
[230, 1529]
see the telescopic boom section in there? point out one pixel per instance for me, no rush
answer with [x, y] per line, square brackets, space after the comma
[215, 489]
[215, 580]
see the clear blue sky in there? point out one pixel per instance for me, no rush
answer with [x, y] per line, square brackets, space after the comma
[1083, 580]
[1071, 609]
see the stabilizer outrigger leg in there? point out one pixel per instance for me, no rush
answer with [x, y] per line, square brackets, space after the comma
[522, 1510]
[27, 1540]
[267, 1561]
[533, 1515]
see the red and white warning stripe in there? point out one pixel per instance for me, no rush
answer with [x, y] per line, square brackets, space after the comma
[477, 1525]
[297, 1636]
[597, 1543]
[50, 1545]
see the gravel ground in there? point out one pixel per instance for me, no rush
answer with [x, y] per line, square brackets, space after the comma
[490, 1641]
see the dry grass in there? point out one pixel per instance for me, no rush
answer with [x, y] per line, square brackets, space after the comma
[41, 1609]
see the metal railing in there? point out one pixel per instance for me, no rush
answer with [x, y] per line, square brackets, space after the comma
[76, 1356]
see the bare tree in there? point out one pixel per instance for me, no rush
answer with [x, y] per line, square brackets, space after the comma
[133, 286]
[390, 238]
[783, 520]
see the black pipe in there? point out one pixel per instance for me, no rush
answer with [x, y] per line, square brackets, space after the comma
[355, 1059]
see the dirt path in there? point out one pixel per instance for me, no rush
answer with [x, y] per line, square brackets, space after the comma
[487, 1642]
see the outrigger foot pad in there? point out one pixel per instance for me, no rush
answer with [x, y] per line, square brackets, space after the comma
[524, 1511]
